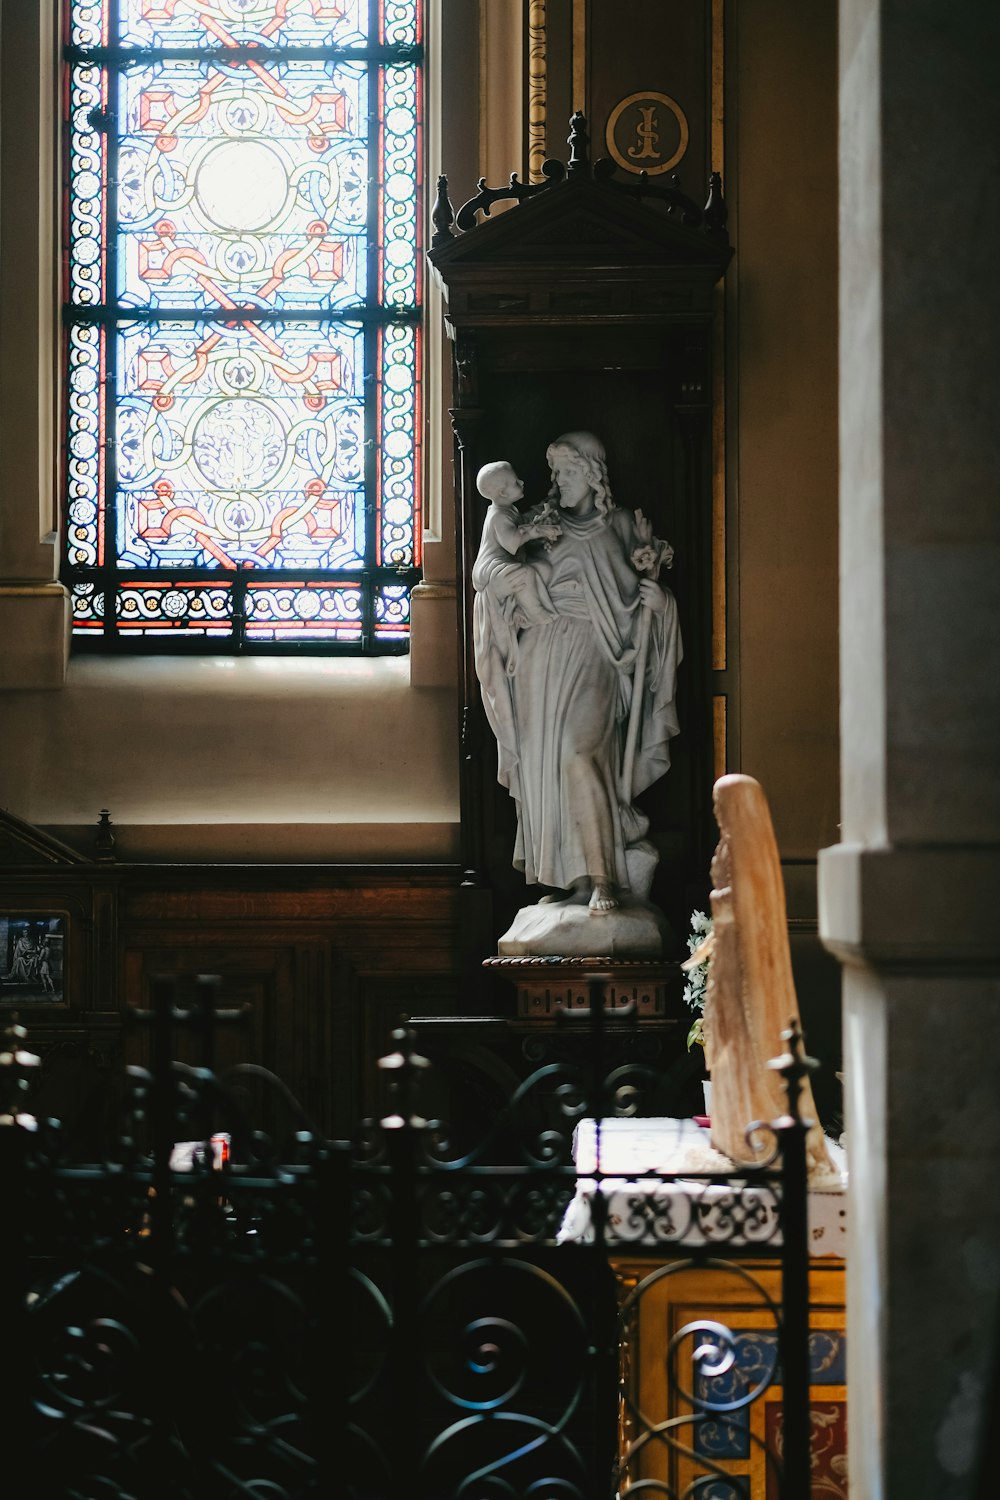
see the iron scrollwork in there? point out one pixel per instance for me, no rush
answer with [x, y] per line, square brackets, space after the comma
[271, 1315]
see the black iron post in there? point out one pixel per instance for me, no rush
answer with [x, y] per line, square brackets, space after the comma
[16, 1066]
[403, 1128]
[602, 1291]
[330, 1382]
[165, 1373]
[792, 1129]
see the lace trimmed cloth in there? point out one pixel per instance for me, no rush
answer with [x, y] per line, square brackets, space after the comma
[669, 1207]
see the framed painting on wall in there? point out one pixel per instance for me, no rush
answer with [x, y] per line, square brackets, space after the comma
[32, 958]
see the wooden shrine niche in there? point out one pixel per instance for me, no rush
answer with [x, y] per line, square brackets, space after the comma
[588, 306]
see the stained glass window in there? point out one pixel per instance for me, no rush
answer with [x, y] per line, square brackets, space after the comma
[242, 322]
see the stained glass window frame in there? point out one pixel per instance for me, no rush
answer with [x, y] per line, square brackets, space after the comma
[361, 606]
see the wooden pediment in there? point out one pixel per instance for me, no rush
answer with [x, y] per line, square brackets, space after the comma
[583, 221]
[22, 844]
[581, 242]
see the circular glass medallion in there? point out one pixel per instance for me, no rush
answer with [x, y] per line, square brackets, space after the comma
[243, 257]
[400, 187]
[240, 372]
[307, 604]
[86, 251]
[87, 185]
[239, 517]
[241, 185]
[238, 445]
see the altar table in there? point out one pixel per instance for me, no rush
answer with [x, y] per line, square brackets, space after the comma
[666, 1439]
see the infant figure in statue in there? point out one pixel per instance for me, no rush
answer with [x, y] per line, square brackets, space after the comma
[505, 533]
[581, 700]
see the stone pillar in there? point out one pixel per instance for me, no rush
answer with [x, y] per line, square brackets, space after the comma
[908, 899]
[33, 605]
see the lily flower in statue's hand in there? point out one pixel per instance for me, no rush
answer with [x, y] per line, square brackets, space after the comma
[644, 559]
[652, 554]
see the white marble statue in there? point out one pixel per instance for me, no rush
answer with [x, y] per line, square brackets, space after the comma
[578, 670]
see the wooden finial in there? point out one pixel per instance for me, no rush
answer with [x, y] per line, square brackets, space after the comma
[716, 211]
[105, 840]
[579, 142]
[443, 216]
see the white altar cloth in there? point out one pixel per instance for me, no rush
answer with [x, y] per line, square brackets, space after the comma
[687, 1211]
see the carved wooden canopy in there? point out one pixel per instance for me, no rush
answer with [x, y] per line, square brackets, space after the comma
[580, 246]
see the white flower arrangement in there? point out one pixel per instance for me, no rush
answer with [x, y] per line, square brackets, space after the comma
[696, 969]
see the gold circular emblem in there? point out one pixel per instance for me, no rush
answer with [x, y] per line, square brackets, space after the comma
[638, 120]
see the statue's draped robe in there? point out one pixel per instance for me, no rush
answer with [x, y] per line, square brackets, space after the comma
[558, 703]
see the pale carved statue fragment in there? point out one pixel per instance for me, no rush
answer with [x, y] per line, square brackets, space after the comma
[751, 997]
[577, 647]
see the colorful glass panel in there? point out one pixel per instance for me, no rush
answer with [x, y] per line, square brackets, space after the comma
[88, 175]
[400, 21]
[158, 609]
[85, 448]
[392, 614]
[231, 23]
[243, 189]
[240, 445]
[88, 23]
[304, 612]
[88, 607]
[242, 426]
[398, 445]
[400, 158]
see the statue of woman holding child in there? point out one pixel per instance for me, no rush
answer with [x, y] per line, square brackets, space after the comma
[577, 648]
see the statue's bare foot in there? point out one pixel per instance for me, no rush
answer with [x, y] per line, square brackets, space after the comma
[604, 897]
[578, 896]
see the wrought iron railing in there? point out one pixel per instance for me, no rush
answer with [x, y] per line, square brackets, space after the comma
[388, 1317]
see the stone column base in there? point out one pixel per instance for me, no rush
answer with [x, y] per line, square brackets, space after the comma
[34, 631]
[433, 636]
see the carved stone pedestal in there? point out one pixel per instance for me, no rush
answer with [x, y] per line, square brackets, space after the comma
[632, 988]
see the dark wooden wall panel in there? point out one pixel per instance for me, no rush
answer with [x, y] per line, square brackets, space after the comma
[326, 961]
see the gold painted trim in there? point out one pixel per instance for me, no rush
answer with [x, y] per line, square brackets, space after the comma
[682, 125]
[719, 734]
[717, 164]
[580, 55]
[502, 135]
[484, 115]
[537, 88]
